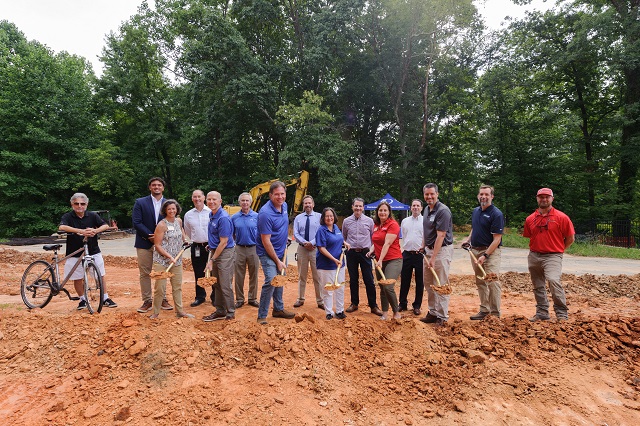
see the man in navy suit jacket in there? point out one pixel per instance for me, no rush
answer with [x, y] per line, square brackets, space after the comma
[146, 214]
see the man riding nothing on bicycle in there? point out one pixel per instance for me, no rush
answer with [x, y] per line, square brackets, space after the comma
[80, 223]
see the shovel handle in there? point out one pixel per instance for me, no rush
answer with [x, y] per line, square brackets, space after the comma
[335, 280]
[180, 253]
[475, 259]
[433, 271]
[207, 272]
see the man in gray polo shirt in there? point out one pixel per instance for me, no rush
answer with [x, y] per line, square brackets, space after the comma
[438, 246]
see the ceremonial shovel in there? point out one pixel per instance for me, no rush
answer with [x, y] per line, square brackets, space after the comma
[208, 280]
[334, 285]
[439, 288]
[166, 274]
[484, 276]
[384, 280]
[280, 279]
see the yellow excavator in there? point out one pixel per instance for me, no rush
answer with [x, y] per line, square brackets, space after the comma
[301, 183]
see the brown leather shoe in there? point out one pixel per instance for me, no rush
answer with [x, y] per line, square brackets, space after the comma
[321, 306]
[429, 319]
[283, 314]
[298, 303]
[165, 305]
[352, 308]
[146, 307]
[376, 311]
[416, 311]
[254, 303]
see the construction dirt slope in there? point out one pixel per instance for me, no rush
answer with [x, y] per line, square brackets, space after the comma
[61, 366]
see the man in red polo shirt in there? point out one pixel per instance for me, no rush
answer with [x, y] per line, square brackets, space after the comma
[550, 233]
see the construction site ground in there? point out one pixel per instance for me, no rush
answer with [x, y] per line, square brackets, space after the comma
[60, 366]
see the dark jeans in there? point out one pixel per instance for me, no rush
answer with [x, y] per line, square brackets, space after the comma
[199, 263]
[355, 260]
[411, 262]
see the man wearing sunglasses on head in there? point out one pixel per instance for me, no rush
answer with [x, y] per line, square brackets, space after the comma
[550, 233]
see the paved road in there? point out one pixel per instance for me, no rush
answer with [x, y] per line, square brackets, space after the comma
[514, 260]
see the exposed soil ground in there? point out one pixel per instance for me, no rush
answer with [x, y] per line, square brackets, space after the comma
[61, 366]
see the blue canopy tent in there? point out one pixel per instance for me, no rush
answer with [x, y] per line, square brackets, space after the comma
[395, 204]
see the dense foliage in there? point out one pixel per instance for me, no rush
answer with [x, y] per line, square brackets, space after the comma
[369, 96]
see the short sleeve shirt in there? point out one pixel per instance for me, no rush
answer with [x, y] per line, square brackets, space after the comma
[546, 233]
[275, 223]
[331, 240]
[438, 219]
[75, 241]
[245, 228]
[380, 234]
[485, 223]
[220, 226]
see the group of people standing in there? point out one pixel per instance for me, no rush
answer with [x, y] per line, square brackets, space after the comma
[228, 246]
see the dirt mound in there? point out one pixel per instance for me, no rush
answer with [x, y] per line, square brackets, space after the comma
[120, 367]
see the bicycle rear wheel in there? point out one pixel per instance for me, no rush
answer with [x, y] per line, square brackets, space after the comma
[93, 290]
[35, 286]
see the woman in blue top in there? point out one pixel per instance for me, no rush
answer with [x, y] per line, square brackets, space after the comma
[329, 241]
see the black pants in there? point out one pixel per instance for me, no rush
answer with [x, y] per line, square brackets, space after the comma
[411, 262]
[355, 260]
[199, 263]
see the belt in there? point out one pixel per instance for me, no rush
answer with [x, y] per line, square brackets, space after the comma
[359, 250]
[418, 252]
[200, 244]
[432, 245]
[480, 248]
[245, 245]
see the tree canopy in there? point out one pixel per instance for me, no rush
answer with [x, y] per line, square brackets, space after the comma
[368, 96]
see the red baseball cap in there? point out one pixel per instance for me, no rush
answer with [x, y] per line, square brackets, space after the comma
[545, 191]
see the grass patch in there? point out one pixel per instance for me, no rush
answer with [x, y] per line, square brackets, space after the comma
[515, 240]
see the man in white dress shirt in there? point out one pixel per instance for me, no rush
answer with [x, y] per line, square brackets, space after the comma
[196, 222]
[305, 226]
[412, 249]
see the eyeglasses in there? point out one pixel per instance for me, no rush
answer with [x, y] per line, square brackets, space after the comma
[79, 204]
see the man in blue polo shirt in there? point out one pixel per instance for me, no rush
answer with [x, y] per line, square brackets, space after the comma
[273, 227]
[487, 227]
[221, 263]
[245, 234]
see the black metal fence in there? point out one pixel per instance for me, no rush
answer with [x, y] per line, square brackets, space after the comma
[619, 233]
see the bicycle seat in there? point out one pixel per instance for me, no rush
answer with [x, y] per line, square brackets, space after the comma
[51, 246]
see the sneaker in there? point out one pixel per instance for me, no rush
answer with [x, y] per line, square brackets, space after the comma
[254, 303]
[184, 315]
[146, 307]
[283, 314]
[109, 303]
[329, 316]
[82, 305]
[262, 321]
[165, 305]
[341, 315]
[214, 317]
[538, 317]
[230, 317]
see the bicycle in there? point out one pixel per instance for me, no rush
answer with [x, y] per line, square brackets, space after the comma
[41, 280]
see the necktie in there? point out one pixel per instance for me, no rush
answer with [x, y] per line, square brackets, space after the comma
[306, 229]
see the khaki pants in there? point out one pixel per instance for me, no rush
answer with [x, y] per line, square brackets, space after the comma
[306, 258]
[161, 288]
[438, 303]
[490, 292]
[145, 265]
[246, 257]
[547, 267]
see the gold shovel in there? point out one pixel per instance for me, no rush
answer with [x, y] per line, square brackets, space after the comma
[208, 280]
[157, 275]
[334, 285]
[484, 276]
[384, 280]
[439, 288]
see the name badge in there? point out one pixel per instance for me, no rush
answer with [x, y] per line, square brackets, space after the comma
[170, 228]
[432, 218]
[197, 251]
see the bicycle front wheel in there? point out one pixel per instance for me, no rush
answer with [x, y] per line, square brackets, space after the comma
[93, 290]
[35, 286]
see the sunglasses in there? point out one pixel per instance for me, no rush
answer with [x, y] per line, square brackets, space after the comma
[543, 223]
[79, 204]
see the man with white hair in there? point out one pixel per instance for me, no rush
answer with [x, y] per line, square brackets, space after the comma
[80, 223]
[245, 234]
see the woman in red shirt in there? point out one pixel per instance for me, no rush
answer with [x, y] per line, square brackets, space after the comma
[386, 246]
